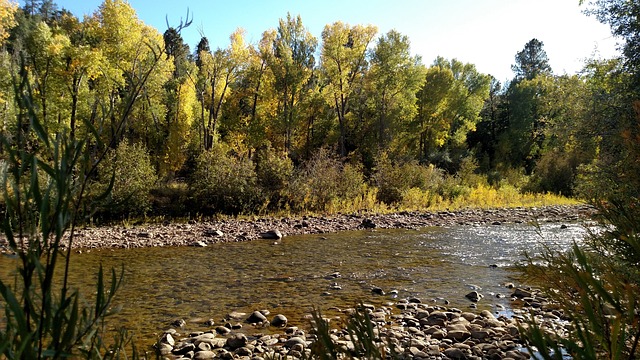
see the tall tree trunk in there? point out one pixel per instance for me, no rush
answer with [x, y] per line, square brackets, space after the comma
[75, 89]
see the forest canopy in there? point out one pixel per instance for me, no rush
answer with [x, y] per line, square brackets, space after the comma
[295, 122]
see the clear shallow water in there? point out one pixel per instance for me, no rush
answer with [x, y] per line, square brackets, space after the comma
[292, 277]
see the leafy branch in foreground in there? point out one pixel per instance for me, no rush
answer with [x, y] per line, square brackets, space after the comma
[597, 287]
[601, 299]
[46, 176]
[362, 332]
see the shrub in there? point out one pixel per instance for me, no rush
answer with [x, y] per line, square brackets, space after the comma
[324, 180]
[508, 176]
[555, 172]
[452, 188]
[468, 173]
[597, 287]
[273, 173]
[224, 183]
[43, 185]
[171, 199]
[133, 178]
[393, 181]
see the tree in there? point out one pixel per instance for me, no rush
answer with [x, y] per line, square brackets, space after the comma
[449, 105]
[565, 146]
[7, 20]
[531, 61]
[84, 64]
[393, 80]
[291, 61]
[218, 72]
[135, 59]
[343, 63]
[622, 16]
[256, 98]
[523, 142]
[492, 124]
[46, 57]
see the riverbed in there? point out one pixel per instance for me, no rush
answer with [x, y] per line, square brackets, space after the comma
[326, 271]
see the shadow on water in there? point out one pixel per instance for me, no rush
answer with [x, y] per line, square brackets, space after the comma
[301, 272]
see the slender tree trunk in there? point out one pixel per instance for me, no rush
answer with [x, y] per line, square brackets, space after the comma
[257, 90]
[341, 124]
[75, 89]
[203, 130]
[210, 123]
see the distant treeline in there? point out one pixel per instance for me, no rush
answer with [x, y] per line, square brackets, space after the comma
[268, 127]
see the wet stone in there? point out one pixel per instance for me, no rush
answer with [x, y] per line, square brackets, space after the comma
[256, 317]
[222, 330]
[237, 341]
[279, 321]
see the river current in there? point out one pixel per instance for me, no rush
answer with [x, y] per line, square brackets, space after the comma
[326, 272]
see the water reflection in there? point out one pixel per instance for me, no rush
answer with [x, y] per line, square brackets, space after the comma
[301, 272]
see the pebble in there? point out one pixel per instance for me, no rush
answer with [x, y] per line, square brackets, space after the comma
[151, 235]
[418, 331]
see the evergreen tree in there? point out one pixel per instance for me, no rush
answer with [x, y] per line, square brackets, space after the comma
[531, 61]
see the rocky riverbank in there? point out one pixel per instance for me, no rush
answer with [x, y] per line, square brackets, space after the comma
[407, 329]
[203, 233]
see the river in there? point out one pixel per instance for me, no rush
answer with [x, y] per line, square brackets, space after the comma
[298, 273]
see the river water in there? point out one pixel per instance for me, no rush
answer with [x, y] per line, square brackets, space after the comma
[300, 272]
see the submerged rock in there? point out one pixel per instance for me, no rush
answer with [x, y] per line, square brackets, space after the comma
[271, 235]
[279, 321]
[474, 296]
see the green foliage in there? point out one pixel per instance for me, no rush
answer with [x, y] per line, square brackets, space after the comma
[622, 17]
[291, 61]
[273, 173]
[449, 105]
[171, 199]
[597, 284]
[555, 172]
[531, 62]
[366, 95]
[224, 183]
[468, 173]
[393, 80]
[129, 172]
[322, 181]
[344, 50]
[393, 181]
[361, 332]
[44, 183]
[598, 292]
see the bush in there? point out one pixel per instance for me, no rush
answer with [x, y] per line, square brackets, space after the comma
[507, 176]
[44, 180]
[468, 173]
[393, 181]
[324, 180]
[597, 287]
[273, 173]
[133, 178]
[224, 183]
[171, 199]
[555, 172]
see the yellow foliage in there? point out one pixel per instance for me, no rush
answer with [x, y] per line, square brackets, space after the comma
[7, 20]
[179, 130]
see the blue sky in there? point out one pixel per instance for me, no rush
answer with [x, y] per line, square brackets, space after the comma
[487, 33]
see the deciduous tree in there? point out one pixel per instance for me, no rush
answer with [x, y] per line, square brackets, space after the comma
[393, 81]
[343, 63]
[292, 61]
[219, 70]
[449, 105]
